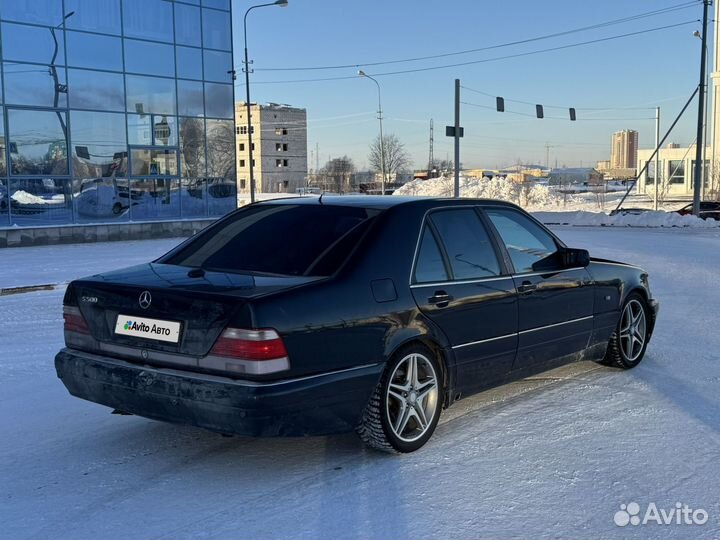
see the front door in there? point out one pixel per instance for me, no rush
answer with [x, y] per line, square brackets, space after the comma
[461, 284]
[555, 303]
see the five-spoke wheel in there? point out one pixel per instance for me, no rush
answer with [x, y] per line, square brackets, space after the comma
[405, 408]
[629, 341]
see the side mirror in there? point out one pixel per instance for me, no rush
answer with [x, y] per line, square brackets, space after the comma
[575, 258]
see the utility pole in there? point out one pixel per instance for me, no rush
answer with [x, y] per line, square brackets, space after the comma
[657, 157]
[697, 173]
[457, 134]
[431, 158]
[547, 155]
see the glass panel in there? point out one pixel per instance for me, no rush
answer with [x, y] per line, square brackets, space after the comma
[187, 25]
[429, 266]
[219, 4]
[193, 2]
[189, 63]
[222, 186]
[94, 15]
[222, 196]
[155, 198]
[101, 199]
[96, 90]
[676, 169]
[28, 84]
[32, 44]
[37, 142]
[190, 98]
[467, 243]
[99, 144]
[94, 51]
[150, 95]
[526, 242]
[650, 173]
[34, 11]
[193, 197]
[216, 29]
[164, 130]
[221, 149]
[192, 147]
[153, 162]
[148, 19]
[4, 203]
[3, 147]
[40, 201]
[219, 100]
[149, 58]
[139, 130]
[217, 65]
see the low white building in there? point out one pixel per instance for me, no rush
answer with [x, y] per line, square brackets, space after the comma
[677, 166]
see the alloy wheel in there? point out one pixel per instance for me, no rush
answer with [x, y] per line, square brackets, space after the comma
[633, 330]
[412, 397]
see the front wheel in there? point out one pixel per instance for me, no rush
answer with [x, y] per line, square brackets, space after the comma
[630, 340]
[404, 409]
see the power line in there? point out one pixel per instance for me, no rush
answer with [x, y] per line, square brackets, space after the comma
[495, 59]
[653, 13]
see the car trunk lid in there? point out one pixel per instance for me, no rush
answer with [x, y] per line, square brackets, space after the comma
[199, 307]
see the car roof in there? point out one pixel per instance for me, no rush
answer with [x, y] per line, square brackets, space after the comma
[379, 201]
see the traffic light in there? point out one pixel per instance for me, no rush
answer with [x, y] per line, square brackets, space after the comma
[572, 114]
[539, 111]
[500, 103]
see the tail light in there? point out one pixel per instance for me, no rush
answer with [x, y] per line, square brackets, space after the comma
[255, 352]
[74, 321]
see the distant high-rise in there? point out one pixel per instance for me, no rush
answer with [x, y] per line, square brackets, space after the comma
[624, 150]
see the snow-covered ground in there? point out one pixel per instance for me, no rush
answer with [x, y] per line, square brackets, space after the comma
[554, 456]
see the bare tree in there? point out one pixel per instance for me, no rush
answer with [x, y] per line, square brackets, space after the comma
[397, 158]
[336, 174]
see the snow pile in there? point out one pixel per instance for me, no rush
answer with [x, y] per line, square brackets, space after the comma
[643, 219]
[528, 196]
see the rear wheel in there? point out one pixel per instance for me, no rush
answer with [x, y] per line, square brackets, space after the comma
[404, 409]
[629, 341]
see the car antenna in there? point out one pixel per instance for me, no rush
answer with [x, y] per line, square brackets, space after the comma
[320, 198]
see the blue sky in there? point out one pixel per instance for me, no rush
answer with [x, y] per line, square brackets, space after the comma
[646, 70]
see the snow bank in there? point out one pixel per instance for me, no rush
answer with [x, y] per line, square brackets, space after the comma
[530, 197]
[644, 219]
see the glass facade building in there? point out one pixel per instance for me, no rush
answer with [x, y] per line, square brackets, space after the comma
[115, 111]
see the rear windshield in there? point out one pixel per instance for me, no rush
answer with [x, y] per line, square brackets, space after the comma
[281, 239]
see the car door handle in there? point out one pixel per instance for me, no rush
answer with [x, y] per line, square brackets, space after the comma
[440, 299]
[526, 287]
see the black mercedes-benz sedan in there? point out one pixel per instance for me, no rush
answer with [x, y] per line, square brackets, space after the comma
[313, 316]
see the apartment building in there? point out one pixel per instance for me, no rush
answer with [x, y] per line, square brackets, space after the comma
[279, 138]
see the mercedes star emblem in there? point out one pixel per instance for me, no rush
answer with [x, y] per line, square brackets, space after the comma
[145, 299]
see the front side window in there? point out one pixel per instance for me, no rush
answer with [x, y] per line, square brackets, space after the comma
[283, 239]
[469, 250]
[430, 266]
[526, 242]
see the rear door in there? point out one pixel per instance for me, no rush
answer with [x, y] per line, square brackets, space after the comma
[556, 304]
[462, 285]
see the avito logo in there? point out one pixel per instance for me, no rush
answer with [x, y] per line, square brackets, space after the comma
[144, 328]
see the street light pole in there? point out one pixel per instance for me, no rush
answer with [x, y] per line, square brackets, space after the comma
[361, 73]
[53, 73]
[280, 3]
[697, 173]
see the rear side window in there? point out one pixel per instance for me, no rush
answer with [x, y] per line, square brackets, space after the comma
[467, 243]
[526, 242]
[280, 239]
[430, 266]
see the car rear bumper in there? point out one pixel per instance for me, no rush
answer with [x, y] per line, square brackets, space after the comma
[317, 405]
